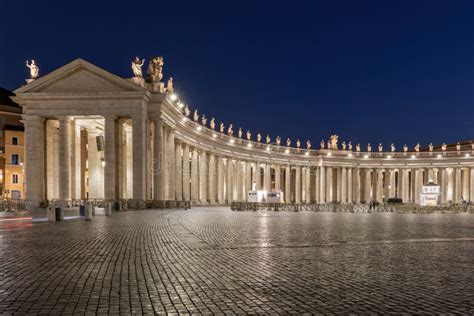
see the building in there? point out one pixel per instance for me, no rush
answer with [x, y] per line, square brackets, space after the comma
[92, 134]
[11, 147]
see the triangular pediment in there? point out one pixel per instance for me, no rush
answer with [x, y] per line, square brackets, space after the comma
[79, 76]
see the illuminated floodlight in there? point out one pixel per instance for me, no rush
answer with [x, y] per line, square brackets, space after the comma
[180, 104]
[439, 156]
[173, 97]
[199, 128]
[287, 151]
[467, 155]
[389, 157]
[413, 156]
[214, 135]
[231, 141]
[329, 154]
[350, 155]
[366, 156]
[307, 153]
[249, 145]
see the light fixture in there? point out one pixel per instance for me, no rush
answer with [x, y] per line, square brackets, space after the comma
[102, 161]
[366, 156]
[389, 157]
[439, 156]
[249, 145]
[467, 155]
[214, 135]
[180, 104]
[199, 128]
[287, 151]
[413, 156]
[268, 148]
[231, 141]
[307, 153]
[329, 154]
[173, 97]
[350, 155]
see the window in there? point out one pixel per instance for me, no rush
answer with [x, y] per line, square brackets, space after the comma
[14, 178]
[14, 140]
[15, 159]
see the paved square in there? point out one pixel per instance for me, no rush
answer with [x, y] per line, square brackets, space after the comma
[213, 260]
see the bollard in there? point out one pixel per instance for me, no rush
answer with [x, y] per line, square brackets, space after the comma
[58, 214]
[82, 210]
[108, 208]
[93, 208]
[50, 212]
[88, 209]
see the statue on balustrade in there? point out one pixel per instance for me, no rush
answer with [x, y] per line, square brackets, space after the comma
[417, 147]
[405, 148]
[380, 147]
[458, 147]
[444, 147]
[155, 69]
[187, 112]
[196, 116]
[268, 139]
[137, 67]
[249, 135]
[343, 145]
[288, 142]
[212, 123]
[321, 144]
[278, 140]
[34, 69]
[204, 120]
[358, 147]
[169, 85]
[430, 147]
[221, 127]
[240, 132]
[298, 143]
[230, 131]
[472, 146]
[350, 146]
[369, 147]
[308, 144]
[393, 147]
[333, 140]
[259, 137]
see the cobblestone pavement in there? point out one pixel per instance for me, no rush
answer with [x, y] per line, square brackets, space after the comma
[213, 260]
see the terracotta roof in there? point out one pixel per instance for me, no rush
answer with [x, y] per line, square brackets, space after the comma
[5, 98]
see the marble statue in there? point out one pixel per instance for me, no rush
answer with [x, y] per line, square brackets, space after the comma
[321, 144]
[137, 67]
[380, 147]
[212, 123]
[329, 145]
[393, 147]
[204, 120]
[249, 135]
[369, 147]
[240, 132]
[417, 147]
[333, 140]
[358, 147]
[430, 147]
[288, 142]
[34, 69]
[405, 148]
[230, 131]
[350, 146]
[343, 145]
[221, 127]
[278, 140]
[298, 143]
[187, 112]
[268, 139]
[196, 116]
[169, 85]
[472, 146]
[308, 144]
[155, 69]
[259, 137]
[444, 147]
[458, 146]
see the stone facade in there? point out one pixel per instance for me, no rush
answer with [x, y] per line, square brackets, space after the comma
[91, 134]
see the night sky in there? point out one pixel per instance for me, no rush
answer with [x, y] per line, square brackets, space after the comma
[370, 71]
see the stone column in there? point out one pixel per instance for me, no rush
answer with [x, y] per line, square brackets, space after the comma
[139, 123]
[379, 186]
[220, 180]
[248, 178]
[195, 176]
[258, 177]
[229, 186]
[158, 159]
[329, 185]
[287, 192]
[34, 159]
[322, 184]
[367, 185]
[349, 186]
[179, 171]
[64, 158]
[343, 185]
[170, 165]
[338, 172]
[316, 184]
[239, 180]
[405, 186]
[277, 177]
[110, 158]
[471, 185]
[212, 179]
[267, 178]
[444, 185]
[298, 185]
[356, 187]
[307, 198]
[418, 184]
[391, 184]
[186, 174]
[465, 184]
[457, 185]
[203, 177]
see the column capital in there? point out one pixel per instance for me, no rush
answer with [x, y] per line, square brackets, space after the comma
[32, 118]
[64, 117]
[110, 117]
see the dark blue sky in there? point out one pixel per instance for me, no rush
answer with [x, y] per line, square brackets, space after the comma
[370, 71]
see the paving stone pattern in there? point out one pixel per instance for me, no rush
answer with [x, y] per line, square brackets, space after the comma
[213, 260]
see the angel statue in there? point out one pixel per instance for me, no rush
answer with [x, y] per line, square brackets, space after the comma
[169, 85]
[137, 67]
[278, 140]
[288, 142]
[444, 147]
[321, 144]
[380, 147]
[248, 135]
[417, 147]
[187, 112]
[358, 147]
[308, 144]
[268, 139]
[392, 146]
[458, 146]
[196, 116]
[212, 123]
[405, 148]
[369, 147]
[221, 127]
[230, 131]
[34, 69]
[204, 120]
[259, 137]
[430, 147]
[240, 132]
[155, 69]
[344, 146]
[350, 146]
